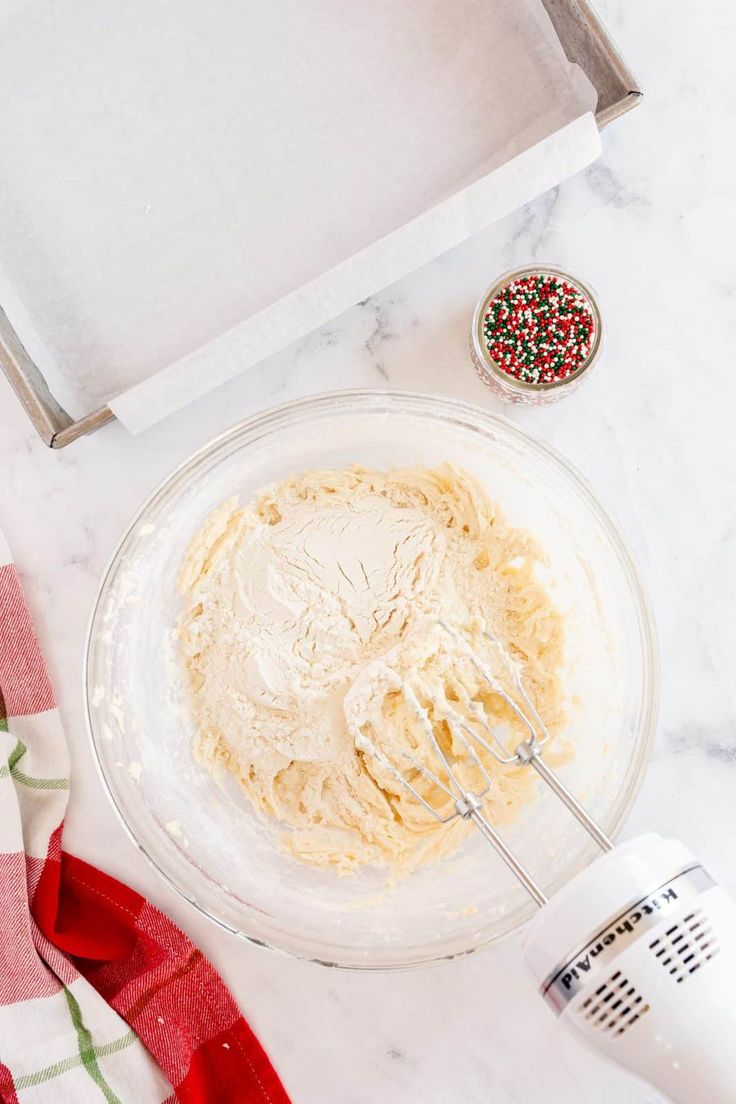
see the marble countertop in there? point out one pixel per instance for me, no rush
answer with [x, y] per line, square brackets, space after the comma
[652, 225]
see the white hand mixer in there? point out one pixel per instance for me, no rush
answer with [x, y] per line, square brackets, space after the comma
[637, 954]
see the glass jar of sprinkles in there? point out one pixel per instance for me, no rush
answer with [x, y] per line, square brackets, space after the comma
[536, 334]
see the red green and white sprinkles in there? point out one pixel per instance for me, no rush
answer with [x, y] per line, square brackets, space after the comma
[539, 328]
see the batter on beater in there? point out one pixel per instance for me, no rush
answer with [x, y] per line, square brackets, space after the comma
[303, 606]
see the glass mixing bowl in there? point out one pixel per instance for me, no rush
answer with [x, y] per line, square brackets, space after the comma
[203, 836]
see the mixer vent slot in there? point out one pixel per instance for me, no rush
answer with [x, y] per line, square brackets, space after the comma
[686, 946]
[615, 1006]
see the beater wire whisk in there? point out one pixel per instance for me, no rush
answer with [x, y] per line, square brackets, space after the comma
[468, 802]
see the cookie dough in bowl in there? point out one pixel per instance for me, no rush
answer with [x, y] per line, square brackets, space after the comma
[300, 602]
[249, 625]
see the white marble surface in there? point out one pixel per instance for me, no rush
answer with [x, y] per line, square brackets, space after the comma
[653, 226]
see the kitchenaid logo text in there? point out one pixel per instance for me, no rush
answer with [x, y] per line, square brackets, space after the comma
[662, 899]
[639, 918]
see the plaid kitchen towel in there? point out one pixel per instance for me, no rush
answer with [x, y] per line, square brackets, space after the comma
[102, 998]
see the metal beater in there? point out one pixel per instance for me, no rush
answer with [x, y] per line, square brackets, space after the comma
[469, 803]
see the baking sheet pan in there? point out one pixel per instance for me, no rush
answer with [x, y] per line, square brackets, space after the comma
[584, 42]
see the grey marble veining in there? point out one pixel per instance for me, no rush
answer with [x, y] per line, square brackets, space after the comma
[652, 226]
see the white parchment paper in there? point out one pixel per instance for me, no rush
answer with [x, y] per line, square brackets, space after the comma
[192, 184]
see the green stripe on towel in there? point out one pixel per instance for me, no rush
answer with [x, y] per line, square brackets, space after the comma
[29, 780]
[75, 1060]
[87, 1051]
